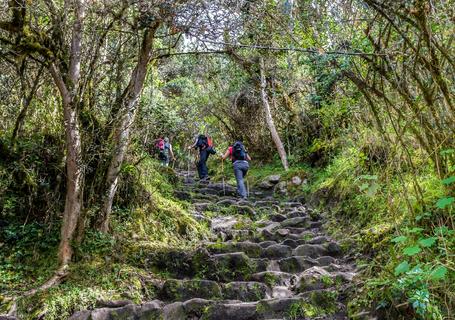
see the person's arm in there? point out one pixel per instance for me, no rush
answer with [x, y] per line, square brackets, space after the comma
[248, 157]
[226, 154]
[194, 144]
[171, 152]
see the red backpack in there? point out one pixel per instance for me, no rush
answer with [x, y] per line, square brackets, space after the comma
[159, 144]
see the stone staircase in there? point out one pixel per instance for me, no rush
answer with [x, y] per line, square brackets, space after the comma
[267, 259]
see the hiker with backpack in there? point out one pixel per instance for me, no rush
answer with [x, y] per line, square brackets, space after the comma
[165, 153]
[205, 146]
[239, 157]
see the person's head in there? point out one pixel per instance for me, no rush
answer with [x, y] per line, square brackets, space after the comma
[166, 139]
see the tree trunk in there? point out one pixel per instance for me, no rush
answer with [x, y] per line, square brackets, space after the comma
[127, 114]
[74, 172]
[68, 88]
[268, 118]
[25, 103]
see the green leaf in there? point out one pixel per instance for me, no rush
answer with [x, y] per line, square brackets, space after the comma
[428, 242]
[364, 186]
[411, 251]
[438, 273]
[415, 230]
[372, 189]
[423, 216]
[369, 177]
[443, 231]
[444, 202]
[399, 239]
[447, 152]
[402, 268]
[448, 180]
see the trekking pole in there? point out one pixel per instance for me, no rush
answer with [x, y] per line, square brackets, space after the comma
[222, 170]
[247, 187]
[188, 162]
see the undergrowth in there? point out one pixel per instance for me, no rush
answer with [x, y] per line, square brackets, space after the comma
[146, 218]
[407, 240]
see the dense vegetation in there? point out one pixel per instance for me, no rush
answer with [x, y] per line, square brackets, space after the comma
[357, 97]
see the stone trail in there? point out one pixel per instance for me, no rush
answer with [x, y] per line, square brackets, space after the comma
[268, 259]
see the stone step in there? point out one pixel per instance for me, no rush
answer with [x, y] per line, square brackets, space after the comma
[280, 308]
[297, 222]
[318, 304]
[318, 250]
[181, 290]
[246, 291]
[251, 249]
[275, 278]
[150, 310]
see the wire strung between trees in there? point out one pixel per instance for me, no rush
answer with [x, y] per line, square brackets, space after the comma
[306, 50]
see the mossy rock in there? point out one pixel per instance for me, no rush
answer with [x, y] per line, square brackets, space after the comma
[250, 248]
[180, 290]
[326, 300]
[231, 266]
[295, 264]
[271, 308]
[245, 291]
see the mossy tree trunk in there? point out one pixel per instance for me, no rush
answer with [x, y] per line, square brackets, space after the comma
[68, 87]
[125, 118]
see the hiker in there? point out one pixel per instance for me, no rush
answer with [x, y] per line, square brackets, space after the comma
[239, 157]
[205, 146]
[164, 149]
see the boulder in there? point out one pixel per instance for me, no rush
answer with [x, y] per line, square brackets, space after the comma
[296, 180]
[281, 188]
[269, 182]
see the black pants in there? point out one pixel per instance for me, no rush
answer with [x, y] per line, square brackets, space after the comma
[202, 169]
